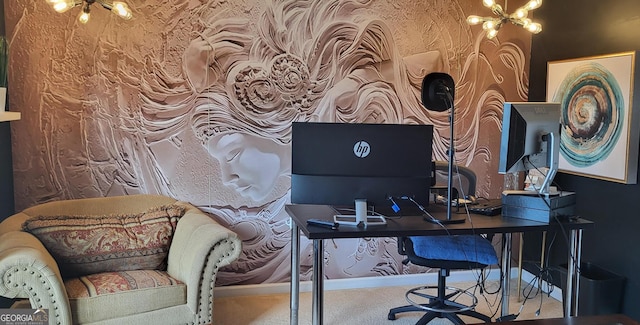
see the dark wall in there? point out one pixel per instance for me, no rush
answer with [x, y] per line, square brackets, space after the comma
[574, 29]
[6, 172]
[6, 168]
[6, 183]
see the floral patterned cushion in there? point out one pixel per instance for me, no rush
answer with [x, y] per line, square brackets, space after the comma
[93, 244]
[116, 282]
[110, 295]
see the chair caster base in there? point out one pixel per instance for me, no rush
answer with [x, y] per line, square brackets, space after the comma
[449, 304]
[446, 304]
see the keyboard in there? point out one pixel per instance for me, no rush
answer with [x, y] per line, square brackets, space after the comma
[490, 207]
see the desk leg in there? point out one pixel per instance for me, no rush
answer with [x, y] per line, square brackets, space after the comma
[318, 280]
[294, 292]
[573, 278]
[506, 271]
[520, 249]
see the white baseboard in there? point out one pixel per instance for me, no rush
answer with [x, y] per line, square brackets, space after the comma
[367, 282]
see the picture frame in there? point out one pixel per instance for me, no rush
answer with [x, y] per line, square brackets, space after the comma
[599, 135]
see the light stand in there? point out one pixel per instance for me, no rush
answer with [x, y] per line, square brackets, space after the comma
[437, 95]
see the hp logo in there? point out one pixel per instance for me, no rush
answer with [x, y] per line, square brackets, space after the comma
[361, 149]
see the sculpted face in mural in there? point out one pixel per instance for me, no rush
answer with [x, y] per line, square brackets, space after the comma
[216, 103]
[249, 164]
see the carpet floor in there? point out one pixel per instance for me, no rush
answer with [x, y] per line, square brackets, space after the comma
[368, 306]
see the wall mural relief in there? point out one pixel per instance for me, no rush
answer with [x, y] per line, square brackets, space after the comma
[195, 99]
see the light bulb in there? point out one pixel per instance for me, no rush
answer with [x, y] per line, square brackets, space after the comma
[492, 33]
[84, 17]
[533, 4]
[488, 3]
[474, 20]
[121, 9]
[53, 2]
[534, 28]
[63, 5]
[489, 25]
[520, 13]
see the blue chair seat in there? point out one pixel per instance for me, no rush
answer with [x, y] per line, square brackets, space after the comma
[469, 248]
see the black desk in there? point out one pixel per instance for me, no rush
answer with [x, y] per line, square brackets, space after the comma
[416, 226]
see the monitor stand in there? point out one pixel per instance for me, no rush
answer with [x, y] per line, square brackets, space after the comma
[545, 190]
[447, 220]
[360, 219]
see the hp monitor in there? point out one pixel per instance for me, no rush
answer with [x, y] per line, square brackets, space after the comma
[530, 139]
[385, 166]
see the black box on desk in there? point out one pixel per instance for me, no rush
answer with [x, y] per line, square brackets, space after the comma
[539, 208]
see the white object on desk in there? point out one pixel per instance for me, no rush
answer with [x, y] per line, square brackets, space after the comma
[351, 220]
[361, 211]
[360, 219]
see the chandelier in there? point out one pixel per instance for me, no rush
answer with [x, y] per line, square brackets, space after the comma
[117, 7]
[492, 24]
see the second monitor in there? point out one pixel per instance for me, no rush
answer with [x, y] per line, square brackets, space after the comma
[530, 139]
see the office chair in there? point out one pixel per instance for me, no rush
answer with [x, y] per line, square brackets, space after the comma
[464, 180]
[446, 253]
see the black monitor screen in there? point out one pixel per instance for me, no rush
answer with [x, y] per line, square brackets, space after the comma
[337, 163]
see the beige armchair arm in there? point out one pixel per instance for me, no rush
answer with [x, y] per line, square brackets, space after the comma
[27, 270]
[200, 247]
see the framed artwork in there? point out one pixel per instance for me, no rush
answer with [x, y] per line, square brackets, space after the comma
[599, 120]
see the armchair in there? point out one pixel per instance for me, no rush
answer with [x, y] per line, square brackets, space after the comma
[126, 290]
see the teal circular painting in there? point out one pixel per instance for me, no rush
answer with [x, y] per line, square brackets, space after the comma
[592, 114]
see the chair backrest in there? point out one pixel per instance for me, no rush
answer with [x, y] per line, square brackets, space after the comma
[464, 179]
